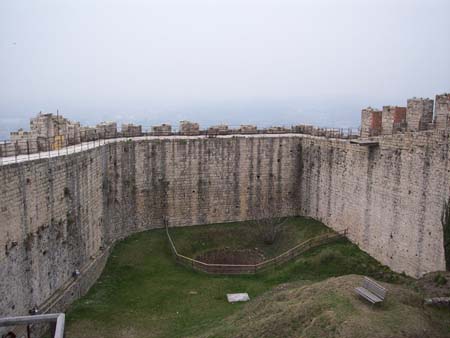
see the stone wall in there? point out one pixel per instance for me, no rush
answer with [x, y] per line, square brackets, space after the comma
[393, 119]
[391, 197]
[57, 214]
[442, 111]
[419, 114]
[51, 224]
[61, 214]
[371, 122]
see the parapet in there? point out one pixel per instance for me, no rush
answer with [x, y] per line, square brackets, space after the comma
[442, 111]
[393, 119]
[416, 116]
[371, 122]
[419, 114]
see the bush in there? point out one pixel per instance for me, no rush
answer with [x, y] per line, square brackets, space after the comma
[328, 256]
[440, 280]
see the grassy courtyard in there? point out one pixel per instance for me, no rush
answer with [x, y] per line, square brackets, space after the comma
[144, 293]
[194, 241]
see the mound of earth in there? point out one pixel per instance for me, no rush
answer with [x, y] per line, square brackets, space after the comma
[435, 284]
[332, 309]
[232, 256]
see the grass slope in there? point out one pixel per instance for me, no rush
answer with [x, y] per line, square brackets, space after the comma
[144, 293]
[331, 309]
[192, 241]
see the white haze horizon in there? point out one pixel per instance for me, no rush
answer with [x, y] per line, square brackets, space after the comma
[257, 62]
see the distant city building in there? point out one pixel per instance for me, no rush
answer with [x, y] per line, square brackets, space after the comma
[248, 129]
[22, 142]
[162, 130]
[20, 135]
[88, 134]
[72, 131]
[50, 126]
[131, 130]
[277, 130]
[106, 129]
[189, 128]
[302, 129]
[50, 132]
[221, 129]
[47, 132]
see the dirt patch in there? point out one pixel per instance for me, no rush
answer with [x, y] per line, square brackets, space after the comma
[232, 256]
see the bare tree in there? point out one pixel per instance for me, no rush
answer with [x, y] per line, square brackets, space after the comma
[267, 224]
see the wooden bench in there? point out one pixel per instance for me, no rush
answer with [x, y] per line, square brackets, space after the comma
[371, 291]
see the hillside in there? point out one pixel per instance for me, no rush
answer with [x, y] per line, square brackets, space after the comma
[330, 308]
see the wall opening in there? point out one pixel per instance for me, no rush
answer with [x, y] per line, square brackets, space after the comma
[446, 233]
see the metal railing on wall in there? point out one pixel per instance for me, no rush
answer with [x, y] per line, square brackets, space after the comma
[231, 269]
[30, 148]
[56, 321]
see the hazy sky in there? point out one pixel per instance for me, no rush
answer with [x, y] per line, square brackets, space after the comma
[235, 61]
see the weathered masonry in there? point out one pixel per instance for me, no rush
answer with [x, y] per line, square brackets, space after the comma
[62, 214]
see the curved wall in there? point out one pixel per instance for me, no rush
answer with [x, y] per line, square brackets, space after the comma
[64, 213]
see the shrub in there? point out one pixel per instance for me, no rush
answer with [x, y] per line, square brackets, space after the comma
[440, 279]
[328, 256]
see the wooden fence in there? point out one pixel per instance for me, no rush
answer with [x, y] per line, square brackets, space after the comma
[235, 269]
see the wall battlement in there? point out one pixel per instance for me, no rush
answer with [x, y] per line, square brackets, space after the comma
[416, 116]
[58, 213]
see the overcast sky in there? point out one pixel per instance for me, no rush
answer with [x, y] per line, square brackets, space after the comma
[235, 61]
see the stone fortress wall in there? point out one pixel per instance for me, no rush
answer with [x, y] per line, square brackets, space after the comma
[63, 214]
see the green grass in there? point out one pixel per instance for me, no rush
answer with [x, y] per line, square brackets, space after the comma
[144, 293]
[192, 241]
